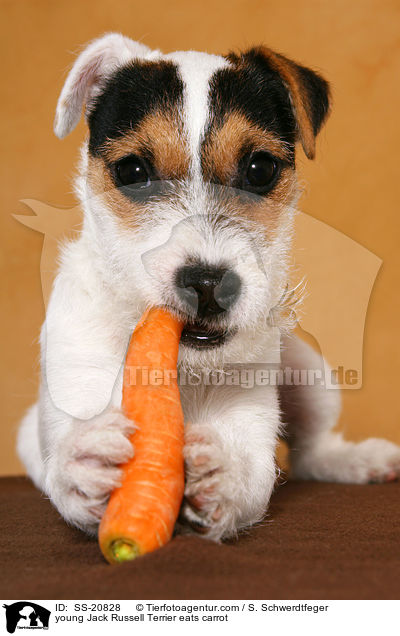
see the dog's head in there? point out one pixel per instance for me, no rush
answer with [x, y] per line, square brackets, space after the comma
[188, 180]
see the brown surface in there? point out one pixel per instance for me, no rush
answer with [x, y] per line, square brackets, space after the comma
[352, 185]
[320, 541]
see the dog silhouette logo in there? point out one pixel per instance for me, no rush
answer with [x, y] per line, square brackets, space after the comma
[26, 615]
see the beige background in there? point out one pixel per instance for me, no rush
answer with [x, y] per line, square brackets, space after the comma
[353, 185]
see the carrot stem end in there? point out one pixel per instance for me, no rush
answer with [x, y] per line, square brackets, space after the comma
[124, 550]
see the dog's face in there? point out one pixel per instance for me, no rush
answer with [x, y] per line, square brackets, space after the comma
[188, 181]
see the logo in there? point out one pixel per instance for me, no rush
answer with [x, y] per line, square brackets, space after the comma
[26, 615]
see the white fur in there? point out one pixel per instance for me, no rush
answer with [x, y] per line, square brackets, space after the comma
[196, 70]
[73, 440]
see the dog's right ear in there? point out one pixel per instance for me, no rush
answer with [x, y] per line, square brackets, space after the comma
[100, 58]
[308, 92]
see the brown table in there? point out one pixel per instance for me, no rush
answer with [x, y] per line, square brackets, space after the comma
[319, 541]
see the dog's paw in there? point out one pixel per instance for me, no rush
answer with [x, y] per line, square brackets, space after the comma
[85, 469]
[332, 458]
[376, 461]
[210, 493]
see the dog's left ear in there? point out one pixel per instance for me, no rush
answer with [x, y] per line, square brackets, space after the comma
[309, 93]
[100, 58]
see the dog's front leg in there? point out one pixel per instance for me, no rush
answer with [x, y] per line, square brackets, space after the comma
[82, 463]
[81, 454]
[74, 441]
[231, 436]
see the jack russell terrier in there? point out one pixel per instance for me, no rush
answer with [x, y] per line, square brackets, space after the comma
[188, 185]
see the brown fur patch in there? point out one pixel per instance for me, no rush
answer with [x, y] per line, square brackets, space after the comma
[221, 154]
[160, 136]
[102, 185]
[224, 146]
[267, 211]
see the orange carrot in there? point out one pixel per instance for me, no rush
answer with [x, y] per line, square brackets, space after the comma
[141, 514]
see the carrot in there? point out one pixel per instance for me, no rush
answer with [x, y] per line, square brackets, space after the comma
[142, 512]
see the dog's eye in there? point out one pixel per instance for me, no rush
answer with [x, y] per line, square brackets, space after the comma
[262, 173]
[132, 171]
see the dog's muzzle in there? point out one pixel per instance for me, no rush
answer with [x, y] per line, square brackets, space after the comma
[207, 293]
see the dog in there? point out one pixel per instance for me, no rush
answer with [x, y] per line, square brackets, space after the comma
[189, 190]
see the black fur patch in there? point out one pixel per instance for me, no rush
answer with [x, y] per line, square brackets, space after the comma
[312, 84]
[256, 92]
[133, 92]
[255, 89]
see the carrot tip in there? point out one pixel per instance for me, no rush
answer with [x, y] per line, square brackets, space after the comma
[123, 550]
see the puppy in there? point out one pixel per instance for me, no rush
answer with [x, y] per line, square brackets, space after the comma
[188, 185]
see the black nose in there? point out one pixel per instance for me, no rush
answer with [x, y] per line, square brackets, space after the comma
[207, 290]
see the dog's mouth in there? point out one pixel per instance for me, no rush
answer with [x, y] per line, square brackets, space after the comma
[197, 336]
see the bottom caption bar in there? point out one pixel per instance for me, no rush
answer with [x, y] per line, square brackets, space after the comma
[147, 616]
